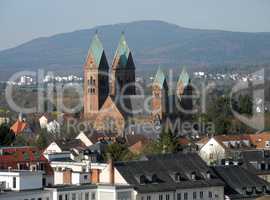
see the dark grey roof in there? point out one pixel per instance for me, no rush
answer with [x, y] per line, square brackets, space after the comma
[67, 145]
[99, 147]
[241, 182]
[157, 173]
[256, 155]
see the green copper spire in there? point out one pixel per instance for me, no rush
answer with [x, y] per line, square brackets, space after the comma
[184, 78]
[123, 50]
[96, 49]
[159, 78]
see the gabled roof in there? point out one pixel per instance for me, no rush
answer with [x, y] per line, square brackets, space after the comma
[18, 127]
[160, 78]
[71, 144]
[184, 78]
[96, 49]
[122, 51]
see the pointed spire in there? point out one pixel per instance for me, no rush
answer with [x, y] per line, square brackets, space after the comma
[123, 50]
[96, 49]
[184, 77]
[160, 77]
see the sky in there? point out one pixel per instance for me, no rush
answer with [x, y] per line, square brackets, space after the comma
[24, 20]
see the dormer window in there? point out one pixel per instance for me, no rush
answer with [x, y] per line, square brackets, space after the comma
[155, 179]
[208, 175]
[177, 177]
[193, 176]
[267, 144]
[143, 179]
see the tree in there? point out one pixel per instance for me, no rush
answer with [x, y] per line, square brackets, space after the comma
[6, 135]
[117, 151]
[42, 140]
[167, 142]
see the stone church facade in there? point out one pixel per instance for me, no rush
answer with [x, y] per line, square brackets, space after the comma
[110, 100]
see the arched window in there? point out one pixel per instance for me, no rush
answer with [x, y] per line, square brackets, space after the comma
[91, 80]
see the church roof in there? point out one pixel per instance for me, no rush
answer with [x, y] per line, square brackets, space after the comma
[122, 51]
[96, 49]
[160, 78]
[184, 78]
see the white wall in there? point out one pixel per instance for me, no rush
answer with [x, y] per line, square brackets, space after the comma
[58, 178]
[84, 139]
[24, 180]
[105, 176]
[52, 148]
[214, 148]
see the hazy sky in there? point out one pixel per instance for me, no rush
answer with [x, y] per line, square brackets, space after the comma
[23, 20]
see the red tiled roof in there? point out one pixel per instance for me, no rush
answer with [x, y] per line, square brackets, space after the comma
[257, 140]
[12, 156]
[18, 127]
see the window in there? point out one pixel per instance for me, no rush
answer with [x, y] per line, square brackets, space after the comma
[211, 156]
[85, 177]
[177, 177]
[178, 196]
[73, 196]
[160, 197]
[193, 176]
[210, 194]
[60, 197]
[167, 197]
[201, 195]
[80, 196]
[148, 198]
[44, 181]
[14, 182]
[39, 198]
[66, 197]
[194, 195]
[93, 196]
[185, 196]
[86, 196]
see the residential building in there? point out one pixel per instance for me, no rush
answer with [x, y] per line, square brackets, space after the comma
[170, 176]
[26, 158]
[242, 184]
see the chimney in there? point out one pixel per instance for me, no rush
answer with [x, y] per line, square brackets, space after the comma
[111, 170]
[67, 176]
[95, 176]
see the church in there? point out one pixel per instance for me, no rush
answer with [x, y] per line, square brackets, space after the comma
[110, 99]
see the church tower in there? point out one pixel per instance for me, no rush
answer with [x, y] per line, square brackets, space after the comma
[123, 70]
[159, 96]
[96, 79]
[184, 93]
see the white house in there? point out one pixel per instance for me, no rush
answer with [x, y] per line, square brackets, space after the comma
[21, 180]
[218, 147]
[43, 122]
[53, 127]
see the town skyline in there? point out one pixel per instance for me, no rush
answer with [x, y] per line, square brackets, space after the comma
[20, 26]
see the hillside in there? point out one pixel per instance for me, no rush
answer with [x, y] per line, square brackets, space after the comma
[152, 42]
